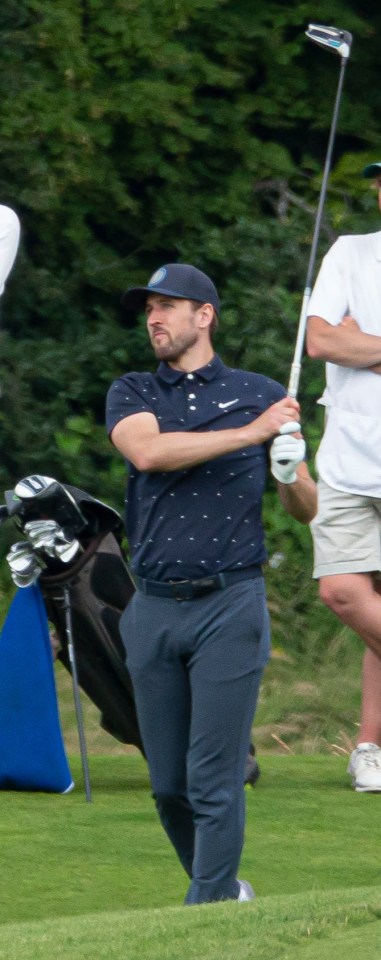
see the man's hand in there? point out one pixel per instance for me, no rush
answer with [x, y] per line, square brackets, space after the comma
[349, 322]
[287, 451]
[274, 419]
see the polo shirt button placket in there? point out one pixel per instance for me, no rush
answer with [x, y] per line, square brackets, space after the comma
[191, 396]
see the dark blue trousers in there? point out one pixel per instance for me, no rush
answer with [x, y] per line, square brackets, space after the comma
[196, 667]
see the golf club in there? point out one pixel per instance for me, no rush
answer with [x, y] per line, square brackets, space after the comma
[339, 42]
[24, 565]
[4, 515]
[38, 497]
[48, 536]
[76, 692]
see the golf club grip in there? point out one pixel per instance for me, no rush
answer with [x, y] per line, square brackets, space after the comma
[293, 427]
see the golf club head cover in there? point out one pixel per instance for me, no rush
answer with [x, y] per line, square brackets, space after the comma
[286, 453]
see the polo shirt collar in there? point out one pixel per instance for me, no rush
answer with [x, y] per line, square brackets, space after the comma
[211, 370]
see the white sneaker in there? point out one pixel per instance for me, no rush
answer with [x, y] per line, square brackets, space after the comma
[246, 891]
[365, 768]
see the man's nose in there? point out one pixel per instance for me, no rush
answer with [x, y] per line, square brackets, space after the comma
[154, 315]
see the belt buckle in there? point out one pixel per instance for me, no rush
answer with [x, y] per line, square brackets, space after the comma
[197, 588]
[181, 583]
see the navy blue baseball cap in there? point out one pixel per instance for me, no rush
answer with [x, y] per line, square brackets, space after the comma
[174, 280]
[372, 170]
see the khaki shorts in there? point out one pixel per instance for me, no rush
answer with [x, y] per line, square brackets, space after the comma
[346, 533]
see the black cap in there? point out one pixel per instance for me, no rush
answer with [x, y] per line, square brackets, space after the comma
[174, 280]
[372, 170]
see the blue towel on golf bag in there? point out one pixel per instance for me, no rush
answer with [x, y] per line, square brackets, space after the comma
[32, 752]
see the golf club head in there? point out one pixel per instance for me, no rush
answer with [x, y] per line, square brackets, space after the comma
[48, 537]
[24, 565]
[42, 498]
[20, 556]
[33, 486]
[25, 492]
[334, 39]
[67, 551]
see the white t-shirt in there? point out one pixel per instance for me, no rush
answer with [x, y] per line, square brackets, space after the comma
[349, 282]
[9, 241]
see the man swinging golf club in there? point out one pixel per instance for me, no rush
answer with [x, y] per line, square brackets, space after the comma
[197, 436]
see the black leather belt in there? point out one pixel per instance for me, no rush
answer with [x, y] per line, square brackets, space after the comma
[189, 589]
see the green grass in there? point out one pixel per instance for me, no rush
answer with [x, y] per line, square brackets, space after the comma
[307, 831]
[343, 924]
[100, 880]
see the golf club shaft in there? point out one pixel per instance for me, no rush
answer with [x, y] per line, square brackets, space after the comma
[293, 385]
[76, 694]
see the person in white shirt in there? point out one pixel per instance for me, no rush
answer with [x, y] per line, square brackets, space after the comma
[9, 241]
[344, 329]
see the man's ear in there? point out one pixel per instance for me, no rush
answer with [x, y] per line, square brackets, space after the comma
[205, 315]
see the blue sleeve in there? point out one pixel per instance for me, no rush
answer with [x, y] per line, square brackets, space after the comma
[125, 397]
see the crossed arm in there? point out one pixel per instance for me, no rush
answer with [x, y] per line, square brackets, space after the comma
[346, 345]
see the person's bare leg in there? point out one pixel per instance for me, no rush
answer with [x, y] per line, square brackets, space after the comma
[364, 764]
[356, 601]
[370, 722]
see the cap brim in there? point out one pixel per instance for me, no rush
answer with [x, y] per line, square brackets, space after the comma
[372, 170]
[135, 298]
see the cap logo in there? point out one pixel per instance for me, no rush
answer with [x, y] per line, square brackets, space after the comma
[157, 277]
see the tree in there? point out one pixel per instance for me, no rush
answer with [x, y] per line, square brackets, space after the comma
[149, 131]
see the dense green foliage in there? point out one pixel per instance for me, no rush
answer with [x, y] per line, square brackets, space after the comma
[142, 131]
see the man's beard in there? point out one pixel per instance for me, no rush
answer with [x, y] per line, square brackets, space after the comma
[172, 350]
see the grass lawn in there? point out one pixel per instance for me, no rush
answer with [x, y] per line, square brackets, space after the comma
[343, 924]
[100, 880]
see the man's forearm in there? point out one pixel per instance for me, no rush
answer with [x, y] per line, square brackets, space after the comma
[138, 438]
[299, 499]
[346, 345]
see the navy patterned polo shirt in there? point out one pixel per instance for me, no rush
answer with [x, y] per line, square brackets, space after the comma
[196, 522]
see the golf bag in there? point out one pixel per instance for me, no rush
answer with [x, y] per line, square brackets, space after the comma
[99, 589]
[75, 540]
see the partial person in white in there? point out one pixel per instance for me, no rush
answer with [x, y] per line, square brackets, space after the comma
[9, 241]
[344, 329]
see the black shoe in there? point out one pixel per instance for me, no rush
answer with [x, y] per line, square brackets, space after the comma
[252, 771]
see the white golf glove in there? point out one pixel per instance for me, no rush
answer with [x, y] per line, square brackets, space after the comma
[286, 452]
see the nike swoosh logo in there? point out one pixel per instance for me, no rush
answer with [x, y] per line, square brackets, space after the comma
[223, 406]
